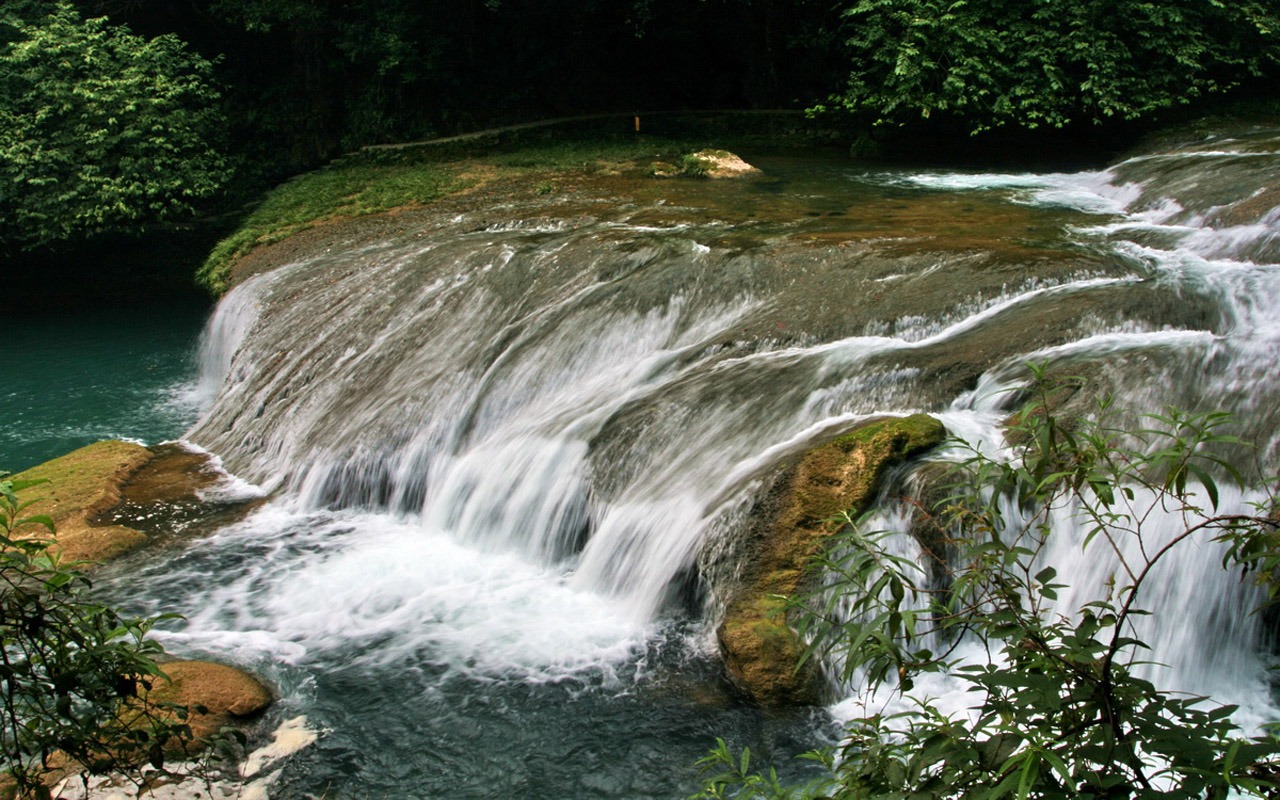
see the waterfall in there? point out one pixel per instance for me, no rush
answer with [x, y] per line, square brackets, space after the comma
[514, 443]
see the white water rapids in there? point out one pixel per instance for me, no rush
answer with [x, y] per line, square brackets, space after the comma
[508, 450]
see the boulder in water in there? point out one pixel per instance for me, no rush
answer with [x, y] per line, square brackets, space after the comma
[723, 164]
[761, 651]
[109, 498]
[705, 164]
[215, 695]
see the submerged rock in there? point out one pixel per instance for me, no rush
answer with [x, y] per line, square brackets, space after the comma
[761, 651]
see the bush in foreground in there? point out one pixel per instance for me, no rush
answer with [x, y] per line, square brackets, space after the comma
[1060, 709]
[100, 129]
[73, 673]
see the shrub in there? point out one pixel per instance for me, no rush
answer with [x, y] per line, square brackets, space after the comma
[991, 63]
[73, 673]
[100, 129]
[1061, 708]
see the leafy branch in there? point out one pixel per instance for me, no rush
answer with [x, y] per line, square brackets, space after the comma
[1059, 706]
[74, 674]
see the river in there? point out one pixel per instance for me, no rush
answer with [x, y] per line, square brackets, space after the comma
[506, 438]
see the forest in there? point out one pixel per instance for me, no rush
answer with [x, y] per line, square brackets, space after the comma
[119, 114]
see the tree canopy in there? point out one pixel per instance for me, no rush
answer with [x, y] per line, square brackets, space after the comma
[1033, 63]
[100, 129]
[310, 79]
[108, 120]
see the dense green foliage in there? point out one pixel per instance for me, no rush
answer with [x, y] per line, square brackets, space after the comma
[309, 79]
[1034, 63]
[1061, 710]
[100, 129]
[104, 129]
[73, 672]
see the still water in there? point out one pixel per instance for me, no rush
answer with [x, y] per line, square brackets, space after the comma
[71, 378]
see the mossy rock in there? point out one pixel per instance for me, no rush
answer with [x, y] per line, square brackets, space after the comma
[703, 164]
[110, 498]
[761, 651]
[81, 486]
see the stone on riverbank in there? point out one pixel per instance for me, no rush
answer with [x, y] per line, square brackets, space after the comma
[88, 493]
[227, 695]
[110, 498]
[80, 487]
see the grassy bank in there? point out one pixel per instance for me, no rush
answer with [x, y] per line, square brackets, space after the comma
[379, 179]
[348, 189]
[373, 182]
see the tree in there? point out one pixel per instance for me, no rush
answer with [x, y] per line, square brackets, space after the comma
[1034, 63]
[100, 129]
[1062, 709]
[74, 674]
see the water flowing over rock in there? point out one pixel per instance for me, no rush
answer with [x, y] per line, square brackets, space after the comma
[514, 441]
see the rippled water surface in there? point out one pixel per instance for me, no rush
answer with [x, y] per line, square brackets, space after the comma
[510, 442]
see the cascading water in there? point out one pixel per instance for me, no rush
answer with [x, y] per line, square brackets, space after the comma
[505, 443]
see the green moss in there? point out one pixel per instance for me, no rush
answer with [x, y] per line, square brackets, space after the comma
[694, 166]
[79, 487]
[345, 189]
[761, 650]
[378, 180]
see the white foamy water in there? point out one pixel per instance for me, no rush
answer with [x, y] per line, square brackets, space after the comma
[1196, 619]
[1203, 635]
[509, 458]
[382, 591]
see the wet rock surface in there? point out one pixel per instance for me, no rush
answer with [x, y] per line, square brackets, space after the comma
[175, 496]
[215, 695]
[110, 498]
[761, 651]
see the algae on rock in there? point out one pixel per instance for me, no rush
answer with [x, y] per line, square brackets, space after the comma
[81, 486]
[760, 649]
[109, 498]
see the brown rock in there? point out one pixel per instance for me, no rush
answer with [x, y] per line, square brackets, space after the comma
[227, 695]
[722, 164]
[761, 651]
[79, 487]
[110, 498]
